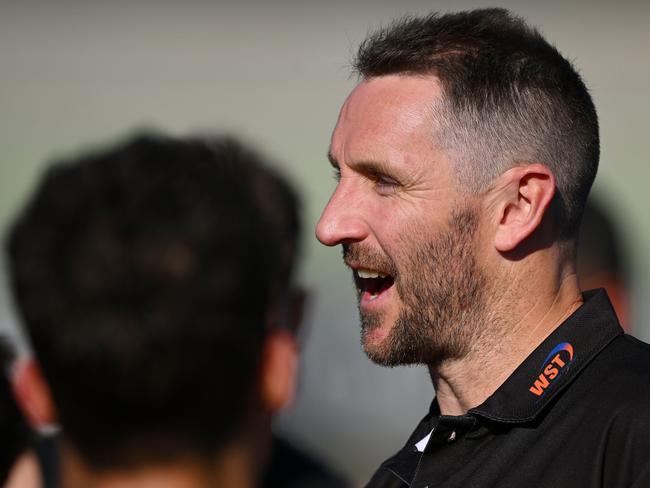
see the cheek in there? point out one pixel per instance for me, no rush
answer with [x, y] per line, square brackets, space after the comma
[411, 232]
[402, 227]
[379, 209]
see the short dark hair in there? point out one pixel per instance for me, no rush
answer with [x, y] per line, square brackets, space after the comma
[14, 431]
[143, 275]
[509, 98]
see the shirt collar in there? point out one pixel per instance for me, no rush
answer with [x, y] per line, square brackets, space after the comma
[554, 363]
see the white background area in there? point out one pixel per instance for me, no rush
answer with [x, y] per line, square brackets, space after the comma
[77, 74]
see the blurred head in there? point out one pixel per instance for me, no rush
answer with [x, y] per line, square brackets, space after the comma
[145, 275]
[469, 143]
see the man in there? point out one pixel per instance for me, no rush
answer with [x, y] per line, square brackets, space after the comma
[464, 158]
[146, 276]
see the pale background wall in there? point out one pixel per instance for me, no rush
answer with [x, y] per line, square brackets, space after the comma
[76, 74]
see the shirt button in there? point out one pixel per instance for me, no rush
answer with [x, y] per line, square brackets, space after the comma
[452, 436]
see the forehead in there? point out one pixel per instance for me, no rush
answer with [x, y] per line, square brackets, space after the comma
[386, 118]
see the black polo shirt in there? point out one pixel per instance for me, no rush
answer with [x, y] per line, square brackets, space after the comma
[575, 413]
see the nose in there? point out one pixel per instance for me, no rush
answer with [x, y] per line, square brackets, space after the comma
[341, 221]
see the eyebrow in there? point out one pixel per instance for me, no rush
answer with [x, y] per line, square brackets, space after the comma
[367, 167]
[373, 168]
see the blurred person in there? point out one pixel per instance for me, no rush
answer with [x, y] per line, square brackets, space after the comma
[145, 276]
[28, 459]
[18, 465]
[464, 157]
[602, 258]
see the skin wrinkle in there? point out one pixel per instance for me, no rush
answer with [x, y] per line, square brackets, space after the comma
[563, 314]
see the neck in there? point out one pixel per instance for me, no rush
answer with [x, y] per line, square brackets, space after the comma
[522, 318]
[233, 468]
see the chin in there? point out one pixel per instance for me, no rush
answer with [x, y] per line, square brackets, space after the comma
[373, 345]
[373, 335]
[380, 348]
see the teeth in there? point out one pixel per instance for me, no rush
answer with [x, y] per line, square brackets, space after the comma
[366, 273]
[369, 273]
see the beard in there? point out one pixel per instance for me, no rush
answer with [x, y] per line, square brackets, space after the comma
[442, 292]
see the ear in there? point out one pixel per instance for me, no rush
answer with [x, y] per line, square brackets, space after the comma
[278, 374]
[33, 395]
[524, 197]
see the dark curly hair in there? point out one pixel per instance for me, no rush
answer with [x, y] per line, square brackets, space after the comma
[143, 274]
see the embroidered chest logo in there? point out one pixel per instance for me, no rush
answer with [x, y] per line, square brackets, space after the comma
[554, 366]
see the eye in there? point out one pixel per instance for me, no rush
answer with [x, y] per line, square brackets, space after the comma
[336, 173]
[385, 184]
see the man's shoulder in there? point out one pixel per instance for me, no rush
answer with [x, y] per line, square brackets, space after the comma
[636, 347]
[621, 376]
[620, 402]
[627, 358]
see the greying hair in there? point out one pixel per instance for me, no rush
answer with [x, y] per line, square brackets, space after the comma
[509, 98]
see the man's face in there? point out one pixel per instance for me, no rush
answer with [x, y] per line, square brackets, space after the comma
[405, 228]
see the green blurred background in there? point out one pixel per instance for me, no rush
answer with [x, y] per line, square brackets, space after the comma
[74, 75]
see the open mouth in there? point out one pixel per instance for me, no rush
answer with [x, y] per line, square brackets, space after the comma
[371, 283]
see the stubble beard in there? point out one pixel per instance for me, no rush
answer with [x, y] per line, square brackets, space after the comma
[442, 291]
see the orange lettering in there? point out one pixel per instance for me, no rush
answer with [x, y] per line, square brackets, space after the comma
[558, 361]
[550, 371]
[540, 385]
